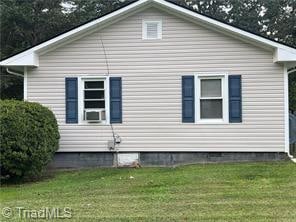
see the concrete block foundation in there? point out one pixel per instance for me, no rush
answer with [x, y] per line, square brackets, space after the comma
[106, 159]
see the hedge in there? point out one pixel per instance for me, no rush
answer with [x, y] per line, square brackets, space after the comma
[29, 138]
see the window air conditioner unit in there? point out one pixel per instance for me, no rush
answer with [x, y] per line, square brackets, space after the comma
[94, 116]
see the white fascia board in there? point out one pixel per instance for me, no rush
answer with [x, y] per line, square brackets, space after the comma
[22, 59]
[282, 55]
[30, 56]
[224, 26]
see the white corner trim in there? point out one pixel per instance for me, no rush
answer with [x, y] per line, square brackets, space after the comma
[286, 109]
[25, 84]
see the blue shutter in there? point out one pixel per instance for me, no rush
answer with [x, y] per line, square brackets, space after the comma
[71, 100]
[188, 99]
[115, 100]
[235, 99]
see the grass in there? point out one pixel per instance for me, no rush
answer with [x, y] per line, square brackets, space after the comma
[211, 192]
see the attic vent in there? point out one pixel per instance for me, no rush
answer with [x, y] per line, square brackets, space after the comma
[152, 30]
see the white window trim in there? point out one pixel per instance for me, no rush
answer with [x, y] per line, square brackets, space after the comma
[144, 29]
[81, 80]
[225, 103]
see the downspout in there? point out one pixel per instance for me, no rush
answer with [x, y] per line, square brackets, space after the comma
[292, 70]
[14, 73]
[24, 76]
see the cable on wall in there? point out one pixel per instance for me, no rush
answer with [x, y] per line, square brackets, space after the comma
[108, 74]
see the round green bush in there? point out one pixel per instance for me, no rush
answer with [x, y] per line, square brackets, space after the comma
[29, 138]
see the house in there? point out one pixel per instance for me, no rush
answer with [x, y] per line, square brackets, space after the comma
[157, 83]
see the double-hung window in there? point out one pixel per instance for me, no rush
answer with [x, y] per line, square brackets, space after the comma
[94, 99]
[211, 104]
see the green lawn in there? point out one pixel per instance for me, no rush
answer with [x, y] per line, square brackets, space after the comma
[210, 192]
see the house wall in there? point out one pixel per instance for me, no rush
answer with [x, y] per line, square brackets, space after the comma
[151, 73]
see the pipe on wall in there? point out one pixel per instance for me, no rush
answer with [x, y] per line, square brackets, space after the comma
[14, 73]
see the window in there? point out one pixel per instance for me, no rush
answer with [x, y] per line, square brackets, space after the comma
[211, 99]
[211, 104]
[94, 99]
[152, 29]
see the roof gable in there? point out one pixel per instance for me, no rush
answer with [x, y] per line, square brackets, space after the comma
[30, 57]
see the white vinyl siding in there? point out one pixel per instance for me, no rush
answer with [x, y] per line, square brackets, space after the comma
[151, 74]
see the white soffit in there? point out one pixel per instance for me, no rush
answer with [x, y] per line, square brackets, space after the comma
[282, 53]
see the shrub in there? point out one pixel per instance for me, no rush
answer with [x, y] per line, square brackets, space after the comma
[29, 138]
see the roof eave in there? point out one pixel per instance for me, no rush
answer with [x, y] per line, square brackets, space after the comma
[30, 59]
[282, 55]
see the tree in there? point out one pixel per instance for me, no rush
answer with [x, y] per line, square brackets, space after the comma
[81, 11]
[275, 19]
[279, 20]
[11, 86]
[25, 23]
[292, 91]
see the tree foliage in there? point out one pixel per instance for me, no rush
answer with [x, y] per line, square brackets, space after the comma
[25, 23]
[292, 91]
[275, 19]
[81, 11]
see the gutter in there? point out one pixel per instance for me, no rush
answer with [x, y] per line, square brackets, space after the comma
[20, 75]
[292, 69]
[14, 73]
